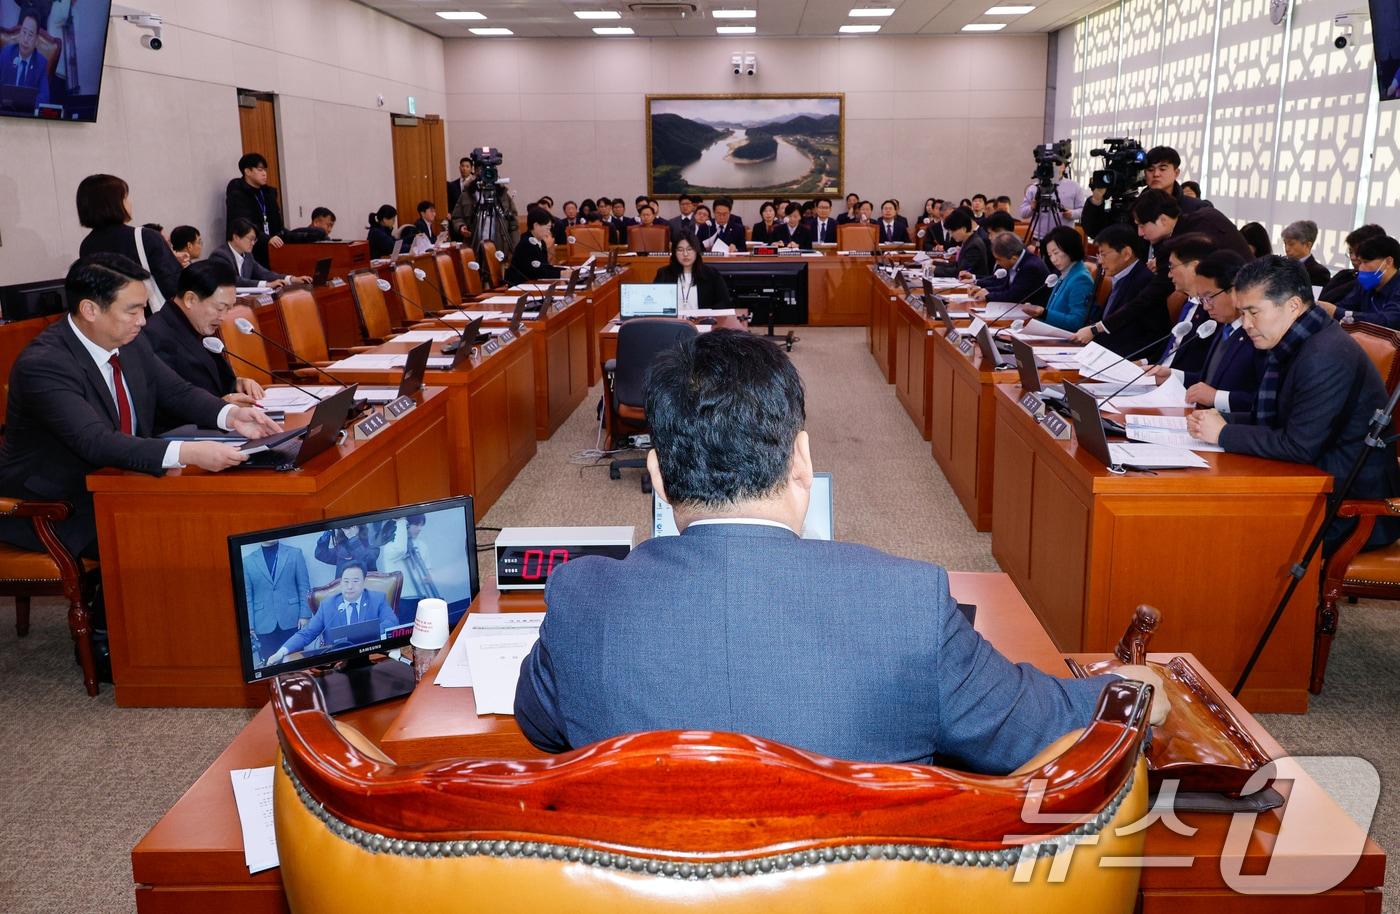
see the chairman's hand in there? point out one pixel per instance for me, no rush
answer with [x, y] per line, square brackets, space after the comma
[250, 387]
[1084, 336]
[1201, 394]
[210, 455]
[965, 276]
[1161, 705]
[251, 422]
[1205, 425]
[275, 242]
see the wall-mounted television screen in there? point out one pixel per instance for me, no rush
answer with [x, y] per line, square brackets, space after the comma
[51, 58]
[1385, 35]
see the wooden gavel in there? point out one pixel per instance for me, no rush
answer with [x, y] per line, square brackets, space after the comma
[1132, 647]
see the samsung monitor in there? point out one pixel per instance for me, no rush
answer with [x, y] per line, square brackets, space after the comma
[341, 589]
[818, 525]
[649, 300]
[51, 58]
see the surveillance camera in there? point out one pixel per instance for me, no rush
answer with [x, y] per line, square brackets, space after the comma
[147, 21]
[1345, 27]
[738, 71]
[152, 42]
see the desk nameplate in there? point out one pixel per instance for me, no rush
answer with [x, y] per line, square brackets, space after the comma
[1056, 425]
[370, 426]
[399, 408]
[1032, 404]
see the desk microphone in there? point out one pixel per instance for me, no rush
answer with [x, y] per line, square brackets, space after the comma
[1051, 280]
[1181, 331]
[246, 326]
[216, 346]
[446, 348]
[1203, 332]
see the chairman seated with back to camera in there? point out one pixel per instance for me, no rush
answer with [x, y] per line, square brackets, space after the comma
[740, 625]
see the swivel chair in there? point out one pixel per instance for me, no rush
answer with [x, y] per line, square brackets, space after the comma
[638, 343]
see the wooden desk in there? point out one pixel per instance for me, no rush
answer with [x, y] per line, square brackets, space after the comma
[490, 415]
[165, 569]
[1210, 548]
[193, 859]
[300, 259]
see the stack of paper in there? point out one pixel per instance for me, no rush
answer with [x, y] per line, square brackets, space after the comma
[1155, 457]
[1035, 329]
[252, 794]
[1099, 364]
[500, 300]
[291, 400]
[462, 317]
[423, 336]
[370, 361]
[1169, 394]
[1167, 430]
[496, 643]
[1003, 311]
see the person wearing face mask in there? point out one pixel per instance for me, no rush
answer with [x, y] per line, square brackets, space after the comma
[1317, 395]
[177, 333]
[1376, 296]
[530, 261]
[1344, 281]
[697, 286]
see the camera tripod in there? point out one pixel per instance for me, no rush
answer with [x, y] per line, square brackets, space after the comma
[1047, 200]
[487, 218]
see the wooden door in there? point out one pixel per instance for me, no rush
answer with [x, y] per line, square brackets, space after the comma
[420, 172]
[257, 123]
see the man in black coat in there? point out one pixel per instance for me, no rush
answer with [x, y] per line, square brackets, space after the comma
[84, 396]
[1025, 273]
[973, 254]
[251, 197]
[1161, 169]
[729, 228]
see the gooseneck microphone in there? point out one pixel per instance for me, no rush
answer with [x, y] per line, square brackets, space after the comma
[1204, 331]
[446, 348]
[1181, 331]
[216, 346]
[245, 326]
[1051, 280]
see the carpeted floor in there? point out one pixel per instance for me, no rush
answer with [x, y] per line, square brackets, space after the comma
[86, 779]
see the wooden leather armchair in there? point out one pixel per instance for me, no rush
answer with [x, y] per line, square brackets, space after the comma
[53, 572]
[587, 239]
[494, 263]
[389, 583]
[1350, 573]
[858, 236]
[246, 346]
[447, 280]
[301, 319]
[690, 821]
[649, 239]
[405, 283]
[471, 271]
[375, 324]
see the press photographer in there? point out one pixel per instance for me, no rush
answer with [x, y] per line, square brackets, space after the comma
[1052, 199]
[486, 211]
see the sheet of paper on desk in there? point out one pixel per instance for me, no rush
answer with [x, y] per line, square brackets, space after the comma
[709, 312]
[500, 300]
[1004, 311]
[372, 361]
[1171, 438]
[1035, 329]
[1168, 423]
[1169, 394]
[423, 336]
[252, 793]
[496, 645]
[1099, 364]
[1156, 457]
[946, 282]
[440, 362]
[456, 671]
[250, 290]
[291, 400]
[462, 317]
[534, 287]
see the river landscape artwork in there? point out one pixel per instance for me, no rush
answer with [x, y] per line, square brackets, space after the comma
[745, 145]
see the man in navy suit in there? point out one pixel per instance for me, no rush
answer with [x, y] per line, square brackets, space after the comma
[823, 226]
[276, 588]
[352, 606]
[729, 228]
[621, 222]
[1119, 260]
[740, 625]
[894, 228]
[21, 65]
[1025, 273]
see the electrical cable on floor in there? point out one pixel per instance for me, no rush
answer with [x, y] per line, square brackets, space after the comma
[592, 456]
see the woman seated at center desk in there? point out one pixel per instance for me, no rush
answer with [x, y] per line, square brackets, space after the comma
[697, 286]
[793, 232]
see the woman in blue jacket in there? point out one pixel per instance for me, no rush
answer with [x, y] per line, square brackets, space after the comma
[1068, 307]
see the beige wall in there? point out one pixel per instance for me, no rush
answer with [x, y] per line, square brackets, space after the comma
[936, 116]
[168, 121]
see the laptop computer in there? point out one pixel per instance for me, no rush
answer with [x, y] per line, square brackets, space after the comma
[290, 449]
[991, 355]
[322, 274]
[18, 98]
[354, 633]
[649, 300]
[938, 307]
[818, 525]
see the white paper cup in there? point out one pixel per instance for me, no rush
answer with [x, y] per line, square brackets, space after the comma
[430, 625]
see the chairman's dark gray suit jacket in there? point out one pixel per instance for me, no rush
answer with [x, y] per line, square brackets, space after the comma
[830, 647]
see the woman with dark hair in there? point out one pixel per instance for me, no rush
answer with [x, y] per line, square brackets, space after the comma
[381, 231]
[766, 229]
[104, 206]
[793, 232]
[1068, 307]
[697, 286]
[1258, 238]
[530, 260]
[931, 212]
[1191, 189]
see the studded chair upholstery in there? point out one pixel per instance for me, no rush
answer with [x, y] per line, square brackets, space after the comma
[685, 821]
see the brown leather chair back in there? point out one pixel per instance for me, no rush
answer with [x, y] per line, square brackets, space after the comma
[302, 321]
[1103, 286]
[857, 236]
[649, 239]
[429, 289]
[246, 346]
[1382, 346]
[587, 239]
[684, 821]
[406, 285]
[447, 279]
[494, 265]
[369, 301]
[389, 583]
[471, 270]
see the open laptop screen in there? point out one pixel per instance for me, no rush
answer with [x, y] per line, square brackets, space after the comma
[649, 300]
[817, 526]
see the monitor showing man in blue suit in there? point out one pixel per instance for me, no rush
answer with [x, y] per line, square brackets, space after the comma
[22, 65]
[740, 625]
[353, 606]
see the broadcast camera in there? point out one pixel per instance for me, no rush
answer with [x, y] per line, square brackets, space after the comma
[1046, 156]
[484, 160]
[1124, 170]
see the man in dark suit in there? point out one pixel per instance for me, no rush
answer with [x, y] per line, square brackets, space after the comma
[1159, 218]
[894, 228]
[974, 256]
[1119, 261]
[1298, 240]
[21, 65]
[457, 185]
[736, 624]
[353, 605]
[685, 222]
[1183, 253]
[237, 254]
[1316, 398]
[320, 228]
[822, 225]
[1161, 169]
[253, 199]
[852, 210]
[729, 228]
[621, 222]
[84, 396]
[427, 220]
[1025, 273]
[177, 333]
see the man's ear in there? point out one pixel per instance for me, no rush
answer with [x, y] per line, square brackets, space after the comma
[801, 463]
[654, 470]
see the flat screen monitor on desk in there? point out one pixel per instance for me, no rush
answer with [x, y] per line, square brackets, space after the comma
[818, 524]
[340, 589]
[648, 300]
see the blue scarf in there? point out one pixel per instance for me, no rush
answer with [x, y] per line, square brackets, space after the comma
[1266, 400]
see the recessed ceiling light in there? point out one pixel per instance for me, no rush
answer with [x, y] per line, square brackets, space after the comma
[734, 14]
[597, 14]
[491, 31]
[1009, 10]
[459, 15]
[613, 30]
[735, 29]
[984, 27]
[857, 29]
[873, 11]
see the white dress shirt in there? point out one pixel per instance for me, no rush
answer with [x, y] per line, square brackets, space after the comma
[238, 265]
[747, 521]
[1222, 397]
[103, 358]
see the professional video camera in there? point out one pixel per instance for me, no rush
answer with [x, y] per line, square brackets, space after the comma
[484, 160]
[1046, 156]
[1047, 194]
[1123, 173]
[488, 219]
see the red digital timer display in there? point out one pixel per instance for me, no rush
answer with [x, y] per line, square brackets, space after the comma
[531, 566]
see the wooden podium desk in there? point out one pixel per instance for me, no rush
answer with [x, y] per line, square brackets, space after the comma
[165, 568]
[193, 857]
[300, 259]
[490, 414]
[1210, 548]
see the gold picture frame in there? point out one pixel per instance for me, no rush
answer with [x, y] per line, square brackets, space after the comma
[696, 126]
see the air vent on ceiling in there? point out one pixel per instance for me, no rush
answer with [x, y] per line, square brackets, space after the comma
[662, 10]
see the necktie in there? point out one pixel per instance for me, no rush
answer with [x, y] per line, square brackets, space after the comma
[352, 613]
[23, 72]
[123, 406]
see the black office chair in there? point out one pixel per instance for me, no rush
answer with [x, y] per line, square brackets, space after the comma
[638, 342]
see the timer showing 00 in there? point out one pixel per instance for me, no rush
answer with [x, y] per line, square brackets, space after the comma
[543, 566]
[529, 566]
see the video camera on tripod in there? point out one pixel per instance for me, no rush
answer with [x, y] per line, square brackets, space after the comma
[489, 220]
[1123, 174]
[1047, 193]
[1047, 156]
